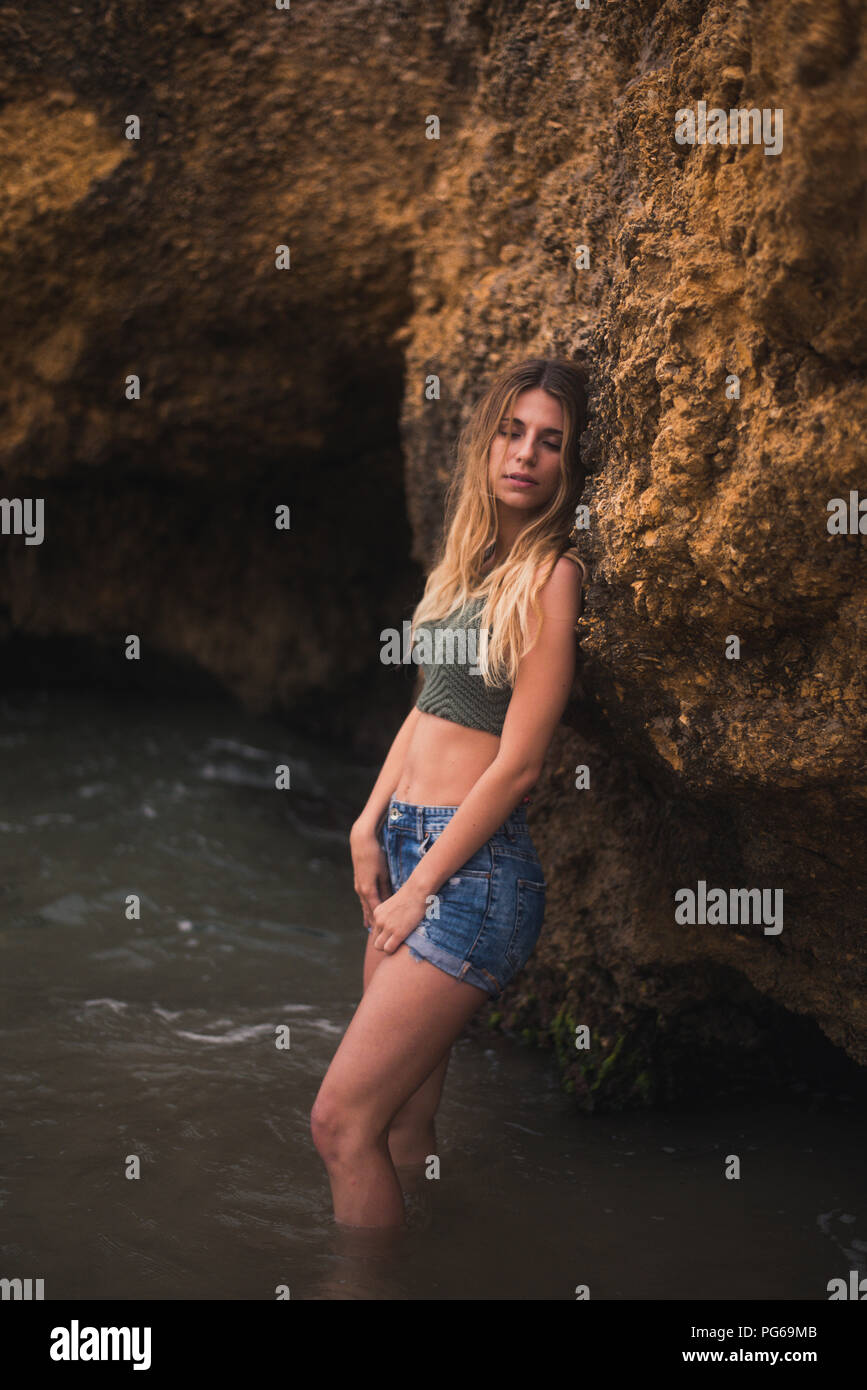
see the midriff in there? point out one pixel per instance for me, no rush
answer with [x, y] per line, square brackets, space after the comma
[443, 761]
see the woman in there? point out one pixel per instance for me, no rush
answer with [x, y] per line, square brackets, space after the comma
[454, 875]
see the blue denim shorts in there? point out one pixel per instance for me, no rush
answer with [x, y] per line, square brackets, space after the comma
[485, 919]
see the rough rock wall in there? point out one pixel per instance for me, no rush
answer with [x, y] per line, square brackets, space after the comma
[708, 509]
[412, 256]
[259, 386]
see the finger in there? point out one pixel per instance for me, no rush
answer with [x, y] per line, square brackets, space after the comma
[370, 900]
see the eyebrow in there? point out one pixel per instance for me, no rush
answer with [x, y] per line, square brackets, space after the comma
[517, 421]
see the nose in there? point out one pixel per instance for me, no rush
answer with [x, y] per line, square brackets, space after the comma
[525, 451]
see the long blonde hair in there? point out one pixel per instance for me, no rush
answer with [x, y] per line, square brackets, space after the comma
[511, 589]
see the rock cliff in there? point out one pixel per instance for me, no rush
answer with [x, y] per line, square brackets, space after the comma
[719, 305]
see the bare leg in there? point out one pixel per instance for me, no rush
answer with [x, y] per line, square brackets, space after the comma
[408, 1018]
[411, 1134]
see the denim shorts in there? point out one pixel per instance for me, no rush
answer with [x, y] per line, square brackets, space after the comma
[485, 919]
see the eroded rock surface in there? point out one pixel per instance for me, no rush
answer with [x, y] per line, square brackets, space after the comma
[709, 514]
[412, 257]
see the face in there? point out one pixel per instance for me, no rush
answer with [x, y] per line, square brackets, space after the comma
[532, 451]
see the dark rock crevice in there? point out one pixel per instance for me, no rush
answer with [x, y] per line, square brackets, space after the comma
[306, 388]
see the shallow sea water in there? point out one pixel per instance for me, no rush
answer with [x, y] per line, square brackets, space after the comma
[155, 1038]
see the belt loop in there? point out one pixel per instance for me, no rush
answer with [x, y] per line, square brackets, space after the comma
[510, 833]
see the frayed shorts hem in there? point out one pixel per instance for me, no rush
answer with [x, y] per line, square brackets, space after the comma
[422, 948]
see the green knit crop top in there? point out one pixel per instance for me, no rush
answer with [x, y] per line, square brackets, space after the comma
[451, 689]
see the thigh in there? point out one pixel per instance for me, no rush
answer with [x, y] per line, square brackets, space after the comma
[408, 1018]
[422, 1104]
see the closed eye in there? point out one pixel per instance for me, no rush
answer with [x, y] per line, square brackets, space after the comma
[549, 442]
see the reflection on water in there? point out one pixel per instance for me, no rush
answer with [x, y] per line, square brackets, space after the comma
[156, 1037]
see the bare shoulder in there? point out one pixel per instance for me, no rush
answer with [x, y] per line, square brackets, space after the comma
[573, 558]
[560, 596]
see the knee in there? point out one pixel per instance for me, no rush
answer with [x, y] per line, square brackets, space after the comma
[332, 1129]
[325, 1125]
[338, 1133]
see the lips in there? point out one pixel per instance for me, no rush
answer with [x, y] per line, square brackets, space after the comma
[521, 478]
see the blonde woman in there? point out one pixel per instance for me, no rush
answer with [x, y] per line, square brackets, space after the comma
[450, 884]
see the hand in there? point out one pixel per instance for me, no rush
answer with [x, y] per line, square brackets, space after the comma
[395, 919]
[370, 866]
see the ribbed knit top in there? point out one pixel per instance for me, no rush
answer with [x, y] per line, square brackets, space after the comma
[451, 690]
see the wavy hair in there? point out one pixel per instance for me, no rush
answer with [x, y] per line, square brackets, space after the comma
[511, 589]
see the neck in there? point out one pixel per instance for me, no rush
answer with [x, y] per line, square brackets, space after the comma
[510, 524]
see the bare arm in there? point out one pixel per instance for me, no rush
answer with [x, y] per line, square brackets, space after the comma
[541, 693]
[369, 863]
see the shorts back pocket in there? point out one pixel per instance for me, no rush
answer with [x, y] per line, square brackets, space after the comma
[529, 915]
